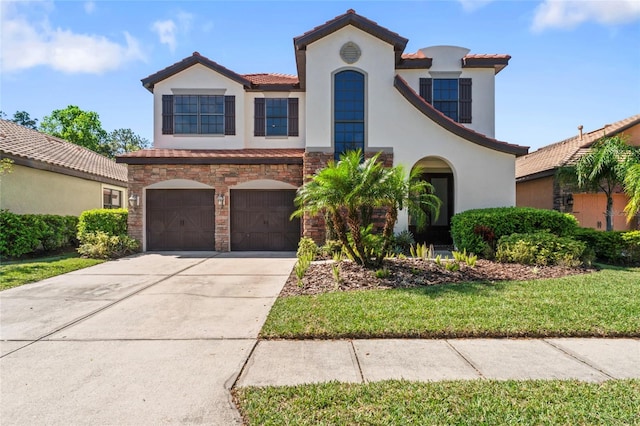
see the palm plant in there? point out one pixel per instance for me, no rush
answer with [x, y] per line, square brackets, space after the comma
[350, 189]
[399, 191]
[632, 188]
[603, 168]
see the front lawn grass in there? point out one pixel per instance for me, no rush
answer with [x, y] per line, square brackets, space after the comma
[14, 274]
[603, 303]
[615, 402]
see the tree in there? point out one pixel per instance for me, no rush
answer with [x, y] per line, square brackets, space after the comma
[77, 126]
[350, 189]
[632, 188]
[121, 141]
[22, 118]
[6, 166]
[603, 168]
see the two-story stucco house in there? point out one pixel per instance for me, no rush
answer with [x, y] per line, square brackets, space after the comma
[230, 150]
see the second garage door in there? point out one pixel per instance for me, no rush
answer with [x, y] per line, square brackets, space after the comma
[180, 219]
[260, 220]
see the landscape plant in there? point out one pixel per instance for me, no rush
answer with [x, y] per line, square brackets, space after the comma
[102, 234]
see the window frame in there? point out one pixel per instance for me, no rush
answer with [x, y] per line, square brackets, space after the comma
[284, 118]
[110, 192]
[358, 115]
[439, 102]
[218, 102]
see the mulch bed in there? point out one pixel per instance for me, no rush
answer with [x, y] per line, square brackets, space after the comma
[406, 273]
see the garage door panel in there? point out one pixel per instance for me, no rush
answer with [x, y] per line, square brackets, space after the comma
[180, 219]
[260, 220]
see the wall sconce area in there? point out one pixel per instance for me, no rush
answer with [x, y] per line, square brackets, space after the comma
[134, 201]
[569, 200]
[221, 200]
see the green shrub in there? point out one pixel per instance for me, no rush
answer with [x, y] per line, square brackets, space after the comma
[632, 245]
[402, 242]
[541, 248]
[307, 248]
[100, 245]
[615, 247]
[331, 248]
[22, 234]
[110, 221]
[478, 231]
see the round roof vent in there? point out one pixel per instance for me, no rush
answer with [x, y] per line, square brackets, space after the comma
[350, 53]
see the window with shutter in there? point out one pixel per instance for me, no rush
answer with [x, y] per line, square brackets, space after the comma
[276, 117]
[450, 96]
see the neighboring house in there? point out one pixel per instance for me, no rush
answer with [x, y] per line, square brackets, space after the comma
[537, 184]
[52, 176]
[230, 150]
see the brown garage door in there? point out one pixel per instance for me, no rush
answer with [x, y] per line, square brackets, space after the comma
[260, 220]
[180, 219]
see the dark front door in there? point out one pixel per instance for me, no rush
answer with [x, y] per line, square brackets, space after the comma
[260, 220]
[438, 230]
[180, 219]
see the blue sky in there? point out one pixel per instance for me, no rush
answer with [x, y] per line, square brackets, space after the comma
[573, 62]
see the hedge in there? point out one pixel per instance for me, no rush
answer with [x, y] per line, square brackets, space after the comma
[478, 231]
[543, 248]
[110, 221]
[22, 234]
[617, 247]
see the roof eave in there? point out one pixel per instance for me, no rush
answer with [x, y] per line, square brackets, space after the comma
[498, 64]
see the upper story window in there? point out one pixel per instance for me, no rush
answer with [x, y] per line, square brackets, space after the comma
[111, 198]
[450, 96]
[348, 112]
[198, 115]
[275, 117]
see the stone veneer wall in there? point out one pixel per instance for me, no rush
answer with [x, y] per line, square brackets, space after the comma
[314, 226]
[219, 176]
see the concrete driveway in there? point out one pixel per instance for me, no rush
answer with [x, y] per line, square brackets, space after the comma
[149, 339]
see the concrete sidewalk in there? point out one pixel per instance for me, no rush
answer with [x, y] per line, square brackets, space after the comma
[289, 362]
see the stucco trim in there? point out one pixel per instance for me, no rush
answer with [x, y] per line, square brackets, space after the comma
[445, 122]
[35, 164]
[150, 81]
[179, 184]
[263, 184]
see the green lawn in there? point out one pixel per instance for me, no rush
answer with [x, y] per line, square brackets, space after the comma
[604, 303]
[13, 274]
[478, 402]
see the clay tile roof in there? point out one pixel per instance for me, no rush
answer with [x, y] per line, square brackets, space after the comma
[271, 78]
[213, 156]
[551, 157]
[456, 128]
[195, 58]
[19, 142]
[416, 55]
[497, 61]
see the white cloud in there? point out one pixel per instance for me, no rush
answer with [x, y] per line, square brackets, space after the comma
[169, 30]
[473, 5]
[27, 44]
[166, 31]
[89, 7]
[567, 14]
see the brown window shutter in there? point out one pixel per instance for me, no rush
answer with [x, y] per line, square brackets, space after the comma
[229, 115]
[425, 89]
[167, 114]
[464, 87]
[258, 117]
[293, 117]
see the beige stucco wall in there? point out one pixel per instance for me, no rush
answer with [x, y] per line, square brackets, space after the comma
[482, 177]
[28, 190]
[536, 193]
[590, 210]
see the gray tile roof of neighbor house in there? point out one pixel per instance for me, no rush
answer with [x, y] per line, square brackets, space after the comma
[35, 149]
[547, 159]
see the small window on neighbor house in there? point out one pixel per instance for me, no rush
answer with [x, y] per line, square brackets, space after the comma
[111, 198]
[276, 116]
[198, 114]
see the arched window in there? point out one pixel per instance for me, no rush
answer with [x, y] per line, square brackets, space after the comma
[348, 112]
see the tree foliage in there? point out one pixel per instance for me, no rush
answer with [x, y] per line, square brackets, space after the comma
[77, 126]
[632, 188]
[350, 189]
[22, 118]
[121, 141]
[603, 168]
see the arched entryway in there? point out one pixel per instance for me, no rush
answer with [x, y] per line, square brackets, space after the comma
[438, 173]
